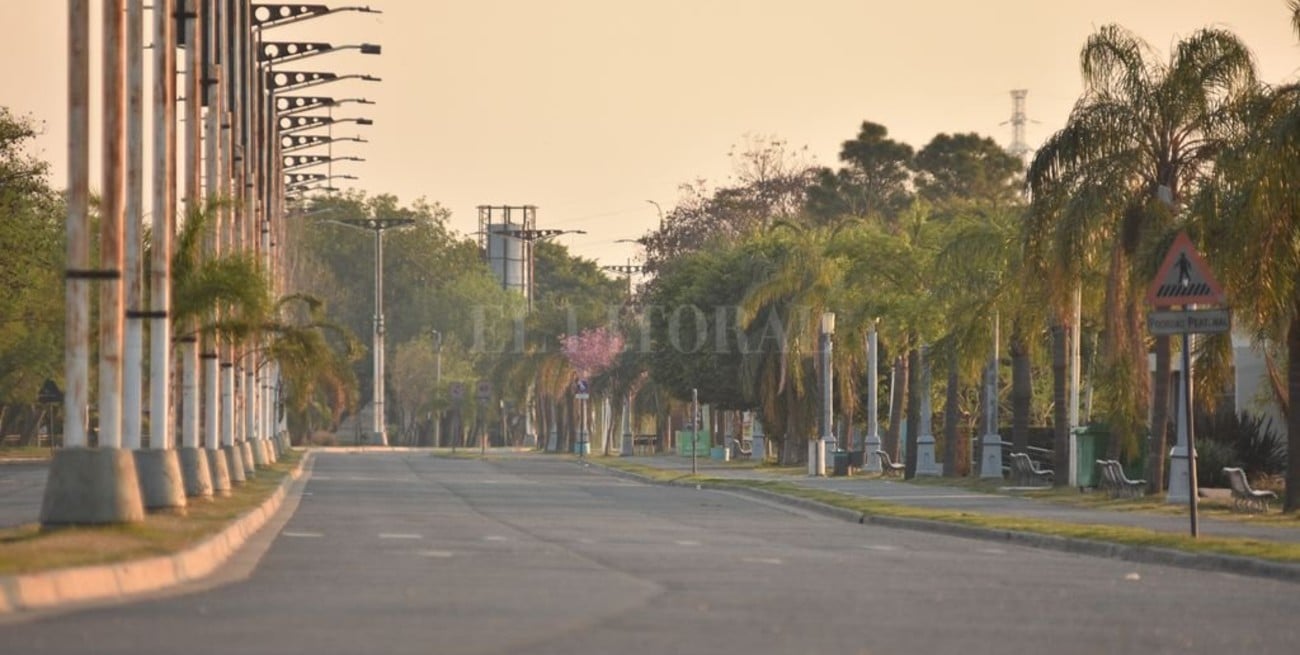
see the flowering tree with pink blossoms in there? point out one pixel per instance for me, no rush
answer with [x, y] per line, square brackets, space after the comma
[592, 350]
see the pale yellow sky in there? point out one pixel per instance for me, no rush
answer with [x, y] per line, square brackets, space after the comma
[589, 108]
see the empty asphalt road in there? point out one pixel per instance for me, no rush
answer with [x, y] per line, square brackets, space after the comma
[408, 553]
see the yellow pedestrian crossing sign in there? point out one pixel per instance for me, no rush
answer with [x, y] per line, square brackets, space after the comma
[1184, 278]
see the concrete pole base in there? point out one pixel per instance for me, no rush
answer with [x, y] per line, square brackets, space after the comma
[256, 446]
[925, 464]
[234, 464]
[220, 471]
[626, 450]
[92, 486]
[272, 452]
[1180, 477]
[195, 472]
[250, 464]
[870, 462]
[991, 465]
[162, 487]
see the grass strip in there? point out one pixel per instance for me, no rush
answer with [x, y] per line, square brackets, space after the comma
[1126, 535]
[30, 548]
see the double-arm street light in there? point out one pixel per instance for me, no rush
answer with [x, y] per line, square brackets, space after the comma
[267, 16]
[531, 236]
[378, 226]
[294, 142]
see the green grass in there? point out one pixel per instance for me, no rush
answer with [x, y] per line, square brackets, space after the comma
[25, 452]
[1269, 550]
[29, 548]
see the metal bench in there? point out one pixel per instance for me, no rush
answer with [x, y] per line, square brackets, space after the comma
[1025, 473]
[1116, 484]
[887, 466]
[644, 444]
[1243, 497]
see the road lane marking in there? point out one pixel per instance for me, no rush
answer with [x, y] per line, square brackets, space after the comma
[399, 535]
[881, 548]
[495, 537]
[436, 554]
[303, 535]
[687, 542]
[991, 551]
[762, 560]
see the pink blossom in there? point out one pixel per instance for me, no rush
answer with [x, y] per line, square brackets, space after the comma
[591, 351]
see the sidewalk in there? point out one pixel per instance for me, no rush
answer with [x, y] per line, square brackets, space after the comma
[965, 500]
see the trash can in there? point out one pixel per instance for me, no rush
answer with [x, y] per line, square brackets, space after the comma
[857, 459]
[840, 463]
[1090, 443]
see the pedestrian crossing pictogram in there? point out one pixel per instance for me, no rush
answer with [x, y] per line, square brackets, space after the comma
[1184, 278]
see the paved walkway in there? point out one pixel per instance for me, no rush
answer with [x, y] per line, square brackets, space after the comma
[960, 499]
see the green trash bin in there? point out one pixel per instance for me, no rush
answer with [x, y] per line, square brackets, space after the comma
[1090, 443]
[840, 463]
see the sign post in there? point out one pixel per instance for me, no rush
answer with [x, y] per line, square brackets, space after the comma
[1185, 280]
[582, 391]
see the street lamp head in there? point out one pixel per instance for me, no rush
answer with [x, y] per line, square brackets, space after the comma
[371, 49]
[370, 78]
[828, 323]
[364, 121]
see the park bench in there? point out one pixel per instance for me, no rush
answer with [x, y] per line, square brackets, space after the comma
[1116, 484]
[644, 444]
[1025, 473]
[887, 466]
[1243, 497]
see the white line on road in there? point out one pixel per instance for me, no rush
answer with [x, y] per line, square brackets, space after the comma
[436, 554]
[399, 535]
[881, 548]
[303, 535]
[761, 560]
[991, 551]
[687, 542]
[495, 537]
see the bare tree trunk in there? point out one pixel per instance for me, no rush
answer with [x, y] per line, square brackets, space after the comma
[1060, 403]
[1160, 403]
[951, 440]
[914, 391]
[1022, 390]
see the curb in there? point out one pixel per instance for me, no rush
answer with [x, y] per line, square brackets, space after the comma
[49, 589]
[1140, 554]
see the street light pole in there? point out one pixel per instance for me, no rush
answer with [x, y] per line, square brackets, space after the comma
[378, 225]
[828, 379]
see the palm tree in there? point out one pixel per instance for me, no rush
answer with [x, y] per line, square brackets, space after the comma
[1251, 218]
[237, 284]
[1115, 176]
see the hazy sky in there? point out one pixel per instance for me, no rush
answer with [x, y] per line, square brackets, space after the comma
[589, 108]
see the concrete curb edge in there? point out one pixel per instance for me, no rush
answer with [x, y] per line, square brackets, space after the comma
[1139, 554]
[50, 589]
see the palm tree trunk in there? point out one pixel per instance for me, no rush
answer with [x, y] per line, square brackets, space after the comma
[914, 392]
[1159, 417]
[951, 447]
[1291, 499]
[1022, 390]
[1060, 403]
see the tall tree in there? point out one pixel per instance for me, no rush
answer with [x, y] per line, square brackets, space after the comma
[1251, 221]
[873, 181]
[1116, 174]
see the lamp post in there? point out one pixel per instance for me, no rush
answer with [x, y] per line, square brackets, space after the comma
[872, 443]
[828, 434]
[378, 226]
[991, 451]
[437, 382]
